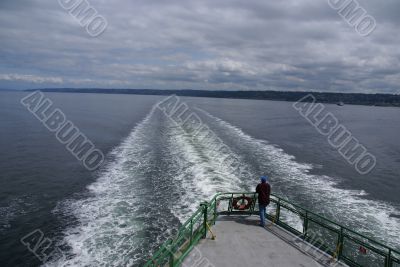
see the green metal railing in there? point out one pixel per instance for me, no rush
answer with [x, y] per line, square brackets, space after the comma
[342, 243]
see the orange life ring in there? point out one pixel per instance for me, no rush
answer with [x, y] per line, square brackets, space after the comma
[244, 205]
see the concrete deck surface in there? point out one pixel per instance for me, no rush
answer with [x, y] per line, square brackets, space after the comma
[241, 242]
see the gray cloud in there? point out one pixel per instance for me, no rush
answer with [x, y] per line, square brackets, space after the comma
[246, 45]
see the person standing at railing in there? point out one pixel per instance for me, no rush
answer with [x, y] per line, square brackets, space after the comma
[263, 190]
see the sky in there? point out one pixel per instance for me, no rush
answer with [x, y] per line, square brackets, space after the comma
[289, 45]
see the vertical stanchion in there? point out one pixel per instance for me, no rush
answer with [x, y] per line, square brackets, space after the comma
[278, 210]
[171, 259]
[389, 259]
[253, 205]
[205, 213]
[230, 205]
[215, 211]
[340, 244]
[191, 231]
[305, 226]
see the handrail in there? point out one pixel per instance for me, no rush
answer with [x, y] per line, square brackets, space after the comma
[174, 250]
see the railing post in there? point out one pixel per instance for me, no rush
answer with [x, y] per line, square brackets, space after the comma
[389, 259]
[171, 259]
[215, 211]
[205, 214]
[191, 232]
[230, 205]
[254, 204]
[305, 226]
[340, 244]
[278, 210]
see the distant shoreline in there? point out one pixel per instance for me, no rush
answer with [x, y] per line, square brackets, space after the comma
[386, 100]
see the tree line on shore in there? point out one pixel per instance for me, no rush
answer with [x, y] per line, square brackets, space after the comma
[323, 97]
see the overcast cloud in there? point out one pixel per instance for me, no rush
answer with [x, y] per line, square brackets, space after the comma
[209, 44]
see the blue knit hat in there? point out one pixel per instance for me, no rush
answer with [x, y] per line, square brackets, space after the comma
[264, 179]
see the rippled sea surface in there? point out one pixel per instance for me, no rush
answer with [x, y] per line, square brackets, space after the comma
[156, 173]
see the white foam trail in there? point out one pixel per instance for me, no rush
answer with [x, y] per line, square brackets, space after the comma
[201, 174]
[112, 219]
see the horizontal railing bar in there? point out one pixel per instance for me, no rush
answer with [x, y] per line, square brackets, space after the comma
[162, 247]
[348, 260]
[292, 210]
[337, 231]
[197, 212]
[288, 227]
[319, 245]
[396, 260]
